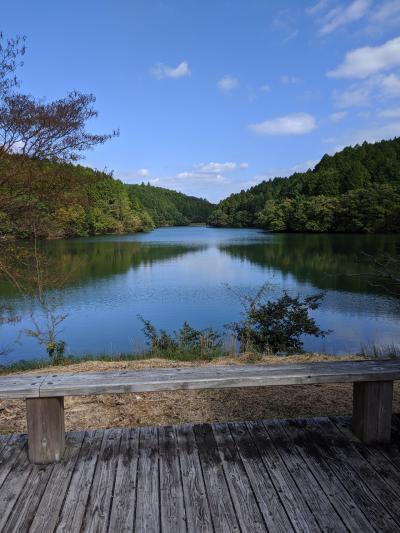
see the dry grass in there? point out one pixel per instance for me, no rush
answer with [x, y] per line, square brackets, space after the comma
[178, 407]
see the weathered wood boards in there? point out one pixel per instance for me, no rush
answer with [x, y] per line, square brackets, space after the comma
[277, 476]
[372, 411]
[208, 377]
[201, 377]
[20, 386]
[373, 383]
[46, 431]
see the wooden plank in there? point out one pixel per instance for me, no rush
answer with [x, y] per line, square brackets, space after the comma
[101, 492]
[293, 499]
[13, 485]
[316, 498]
[221, 506]
[147, 500]
[46, 429]
[28, 500]
[122, 514]
[335, 451]
[172, 505]
[4, 439]
[299, 443]
[10, 454]
[372, 454]
[372, 411]
[50, 506]
[243, 497]
[389, 498]
[227, 376]
[20, 386]
[74, 505]
[268, 499]
[198, 514]
[391, 450]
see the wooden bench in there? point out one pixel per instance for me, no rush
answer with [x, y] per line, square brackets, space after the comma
[44, 394]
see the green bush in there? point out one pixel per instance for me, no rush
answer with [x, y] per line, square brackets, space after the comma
[277, 326]
[187, 340]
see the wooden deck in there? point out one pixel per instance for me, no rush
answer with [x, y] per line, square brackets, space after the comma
[309, 475]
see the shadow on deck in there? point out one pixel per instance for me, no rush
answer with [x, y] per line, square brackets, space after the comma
[291, 475]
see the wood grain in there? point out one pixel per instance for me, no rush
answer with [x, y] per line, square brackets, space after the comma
[46, 429]
[211, 377]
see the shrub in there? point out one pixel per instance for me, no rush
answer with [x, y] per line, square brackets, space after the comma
[277, 325]
[204, 342]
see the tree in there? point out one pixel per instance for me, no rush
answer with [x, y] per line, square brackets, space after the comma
[11, 52]
[54, 131]
[32, 134]
[277, 326]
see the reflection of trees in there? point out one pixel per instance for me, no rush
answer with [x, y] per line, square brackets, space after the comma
[336, 262]
[84, 261]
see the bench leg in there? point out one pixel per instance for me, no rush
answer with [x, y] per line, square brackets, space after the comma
[46, 430]
[372, 411]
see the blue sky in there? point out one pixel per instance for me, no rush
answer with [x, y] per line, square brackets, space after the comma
[213, 96]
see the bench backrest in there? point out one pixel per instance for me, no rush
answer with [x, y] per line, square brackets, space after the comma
[199, 377]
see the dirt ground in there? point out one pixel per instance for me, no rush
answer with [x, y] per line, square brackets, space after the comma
[176, 407]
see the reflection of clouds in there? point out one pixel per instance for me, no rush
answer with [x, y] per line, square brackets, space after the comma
[182, 274]
[351, 331]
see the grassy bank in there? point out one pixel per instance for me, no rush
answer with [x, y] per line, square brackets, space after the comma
[368, 351]
[177, 407]
[73, 360]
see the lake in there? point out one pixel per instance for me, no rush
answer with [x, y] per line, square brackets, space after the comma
[195, 274]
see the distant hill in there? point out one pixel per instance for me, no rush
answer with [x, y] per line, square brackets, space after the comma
[355, 190]
[169, 208]
[53, 200]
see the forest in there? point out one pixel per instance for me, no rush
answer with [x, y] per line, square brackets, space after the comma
[357, 190]
[169, 208]
[61, 200]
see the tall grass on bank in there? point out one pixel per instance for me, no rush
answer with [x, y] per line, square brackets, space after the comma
[176, 355]
[371, 350]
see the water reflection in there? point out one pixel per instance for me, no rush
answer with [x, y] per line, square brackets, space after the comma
[177, 274]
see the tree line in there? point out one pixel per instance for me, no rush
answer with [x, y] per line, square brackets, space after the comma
[48, 199]
[356, 190]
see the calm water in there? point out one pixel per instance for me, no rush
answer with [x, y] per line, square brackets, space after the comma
[177, 274]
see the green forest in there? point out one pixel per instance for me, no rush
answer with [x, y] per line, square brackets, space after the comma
[356, 190]
[60, 200]
[169, 208]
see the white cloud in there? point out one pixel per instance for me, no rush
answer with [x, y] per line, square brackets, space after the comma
[285, 22]
[228, 83]
[376, 88]
[376, 133]
[286, 171]
[293, 124]
[338, 116]
[290, 80]
[143, 172]
[386, 13]
[389, 113]
[317, 8]
[292, 35]
[161, 71]
[341, 15]
[207, 179]
[217, 168]
[362, 62]
[265, 88]
[355, 95]
[391, 85]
